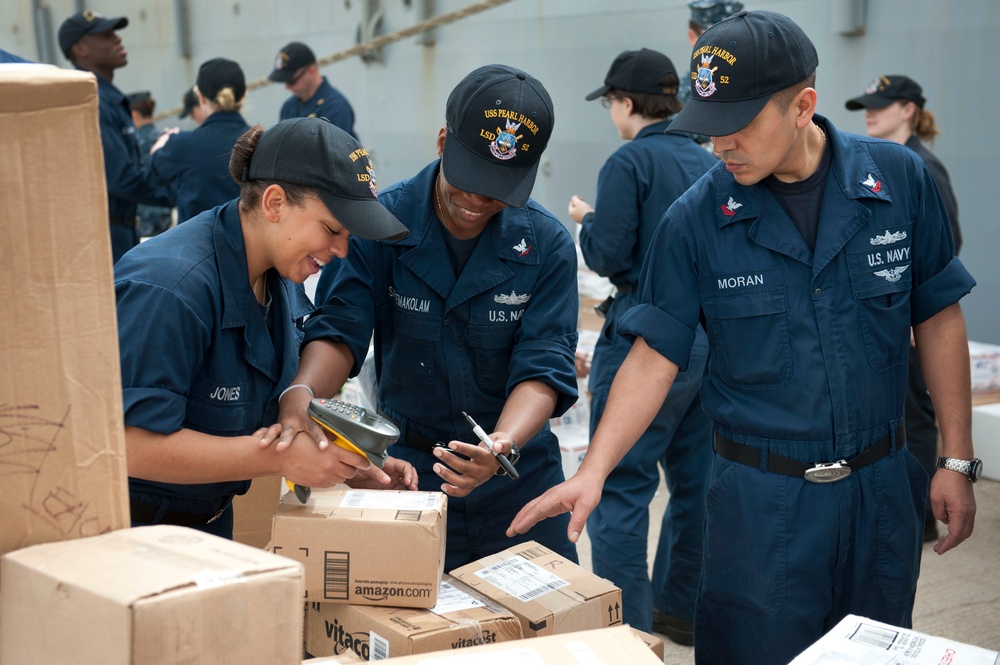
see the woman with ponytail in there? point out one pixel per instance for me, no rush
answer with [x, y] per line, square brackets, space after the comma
[195, 164]
[209, 324]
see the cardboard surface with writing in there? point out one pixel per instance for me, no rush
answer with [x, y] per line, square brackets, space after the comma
[156, 595]
[62, 445]
[549, 593]
[380, 547]
[462, 618]
[605, 646]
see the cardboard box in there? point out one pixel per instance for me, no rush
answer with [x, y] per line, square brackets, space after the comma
[380, 547]
[606, 646]
[859, 640]
[462, 618]
[654, 643]
[62, 441]
[986, 438]
[254, 511]
[156, 595]
[549, 594]
[333, 660]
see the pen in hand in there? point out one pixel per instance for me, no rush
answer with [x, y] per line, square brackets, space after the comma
[484, 438]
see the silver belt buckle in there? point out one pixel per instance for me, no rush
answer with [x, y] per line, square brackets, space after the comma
[829, 472]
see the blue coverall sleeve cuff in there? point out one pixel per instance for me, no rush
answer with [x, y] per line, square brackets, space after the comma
[154, 409]
[940, 291]
[662, 332]
[324, 325]
[552, 366]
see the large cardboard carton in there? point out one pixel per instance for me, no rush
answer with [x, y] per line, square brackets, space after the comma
[654, 643]
[859, 640]
[549, 593]
[380, 547]
[156, 595]
[62, 445]
[254, 511]
[462, 618]
[607, 646]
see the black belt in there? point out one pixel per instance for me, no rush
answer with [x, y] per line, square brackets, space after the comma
[414, 440]
[146, 512]
[120, 220]
[821, 472]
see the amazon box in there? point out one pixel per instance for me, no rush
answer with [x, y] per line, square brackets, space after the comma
[156, 595]
[62, 440]
[548, 593]
[610, 646]
[462, 618]
[379, 547]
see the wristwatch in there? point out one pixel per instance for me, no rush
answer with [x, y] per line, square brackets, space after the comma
[513, 456]
[971, 469]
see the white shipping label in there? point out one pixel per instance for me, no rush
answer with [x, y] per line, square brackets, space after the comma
[521, 579]
[392, 500]
[451, 599]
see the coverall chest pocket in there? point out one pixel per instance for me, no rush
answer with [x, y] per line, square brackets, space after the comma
[409, 351]
[750, 334]
[492, 347]
[881, 280]
[219, 407]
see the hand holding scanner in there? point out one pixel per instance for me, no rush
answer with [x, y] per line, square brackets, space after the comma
[352, 428]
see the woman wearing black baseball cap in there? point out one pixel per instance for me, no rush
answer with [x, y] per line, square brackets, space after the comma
[209, 322]
[475, 311]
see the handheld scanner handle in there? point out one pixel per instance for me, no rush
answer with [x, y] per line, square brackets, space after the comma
[301, 491]
[338, 438]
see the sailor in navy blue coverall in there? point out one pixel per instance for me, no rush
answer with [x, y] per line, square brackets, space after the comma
[209, 323]
[91, 43]
[475, 311]
[634, 189]
[809, 339]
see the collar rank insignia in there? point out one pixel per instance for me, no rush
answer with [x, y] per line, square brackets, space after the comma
[522, 247]
[871, 183]
[730, 208]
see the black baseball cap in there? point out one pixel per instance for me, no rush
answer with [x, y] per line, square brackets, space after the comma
[737, 65]
[190, 100]
[85, 23]
[499, 122]
[290, 59]
[637, 71]
[888, 89]
[315, 153]
[138, 97]
[218, 73]
[707, 13]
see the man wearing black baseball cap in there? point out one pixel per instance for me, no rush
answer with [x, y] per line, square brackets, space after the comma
[90, 42]
[808, 254]
[635, 186]
[475, 311]
[312, 95]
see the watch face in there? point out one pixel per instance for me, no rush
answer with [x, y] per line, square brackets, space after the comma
[975, 469]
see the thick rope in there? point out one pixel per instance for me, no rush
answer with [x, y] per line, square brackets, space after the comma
[371, 45]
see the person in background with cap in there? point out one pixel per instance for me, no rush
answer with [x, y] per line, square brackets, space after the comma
[153, 220]
[312, 94]
[808, 254]
[191, 107]
[894, 110]
[474, 311]
[195, 164]
[634, 188]
[209, 323]
[90, 42]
